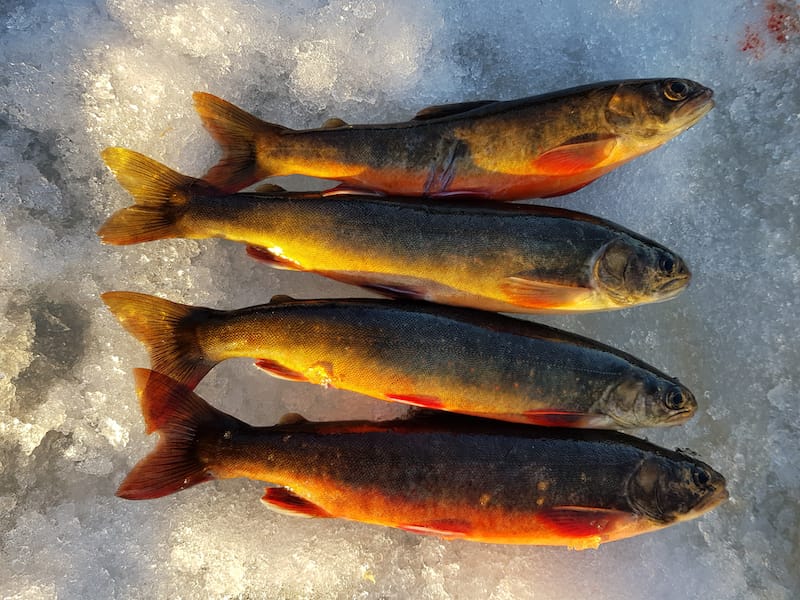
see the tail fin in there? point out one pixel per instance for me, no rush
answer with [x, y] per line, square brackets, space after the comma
[155, 188]
[167, 329]
[182, 419]
[242, 136]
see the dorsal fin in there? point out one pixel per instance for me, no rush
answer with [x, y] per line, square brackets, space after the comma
[269, 188]
[445, 110]
[281, 299]
[334, 122]
[292, 418]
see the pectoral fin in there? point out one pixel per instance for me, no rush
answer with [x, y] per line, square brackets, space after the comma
[279, 371]
[278, 262]
[288, 503]
[446, 110]
[417, 400]
[554, 418]
[529, 293]
[575, 155]
[588, 524]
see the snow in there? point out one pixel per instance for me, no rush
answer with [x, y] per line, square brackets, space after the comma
[77, 76]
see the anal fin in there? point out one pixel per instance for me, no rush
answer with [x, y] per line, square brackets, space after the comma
[287, 502]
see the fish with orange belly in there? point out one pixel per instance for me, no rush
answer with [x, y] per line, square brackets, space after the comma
[492, 256]
[437, 357]
[453, 477]
[539, 146]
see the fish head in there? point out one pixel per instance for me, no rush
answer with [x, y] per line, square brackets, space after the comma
[643, 399]
[632, 271]
[675, 487]
[651, 111]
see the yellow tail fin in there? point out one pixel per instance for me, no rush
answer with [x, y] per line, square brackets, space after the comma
[160, 195]
[242, 136]
[167, 329]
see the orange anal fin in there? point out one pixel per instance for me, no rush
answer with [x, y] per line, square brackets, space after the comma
[286, 502]
[272, 259]
[575, 156]
[448, 529]
[554, 418]
[278, 370]
[540, 294]
[417, 400]
[579, 522]
[349, 190]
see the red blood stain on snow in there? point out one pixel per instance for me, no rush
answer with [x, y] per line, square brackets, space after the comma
[781, 23]
[783, 20]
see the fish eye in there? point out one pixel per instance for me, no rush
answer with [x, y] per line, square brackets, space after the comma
[676, 90]
[675, 399]
[700, 477]
[666, 263]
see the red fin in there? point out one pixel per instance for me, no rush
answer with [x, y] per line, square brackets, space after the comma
[554, 418]
[349, 190]
[166, 329]
[177, 414]
[272, 259]
[278, 370]
[159, 193]
[242, 136]
[445, 528]
[575, 156]
[530, 293]
[287, 502]
[579, 522]
[415, 400]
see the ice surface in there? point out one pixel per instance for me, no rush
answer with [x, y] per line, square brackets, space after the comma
[77, 76]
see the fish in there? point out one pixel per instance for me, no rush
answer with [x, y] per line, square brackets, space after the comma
[449, 476]
[535, 147]
[514, 258]
[425, 355]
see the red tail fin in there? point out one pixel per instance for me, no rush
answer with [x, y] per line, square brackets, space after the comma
[160, 195]
[242, 137]
[167, 330]
[180, 417]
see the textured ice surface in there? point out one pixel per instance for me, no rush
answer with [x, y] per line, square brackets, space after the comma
[77, 76]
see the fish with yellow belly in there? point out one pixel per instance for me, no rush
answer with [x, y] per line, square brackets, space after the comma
[450, 476]
[437, 357]
[492, 256]
[539, 146]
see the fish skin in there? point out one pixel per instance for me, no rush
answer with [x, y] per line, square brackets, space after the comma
[456, 359]
[492, 256]
[540, 146]
[445, 475]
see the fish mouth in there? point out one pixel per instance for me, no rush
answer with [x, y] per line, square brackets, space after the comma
[681, 416]
[673, 287]
[716, 497]
[695, 108]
